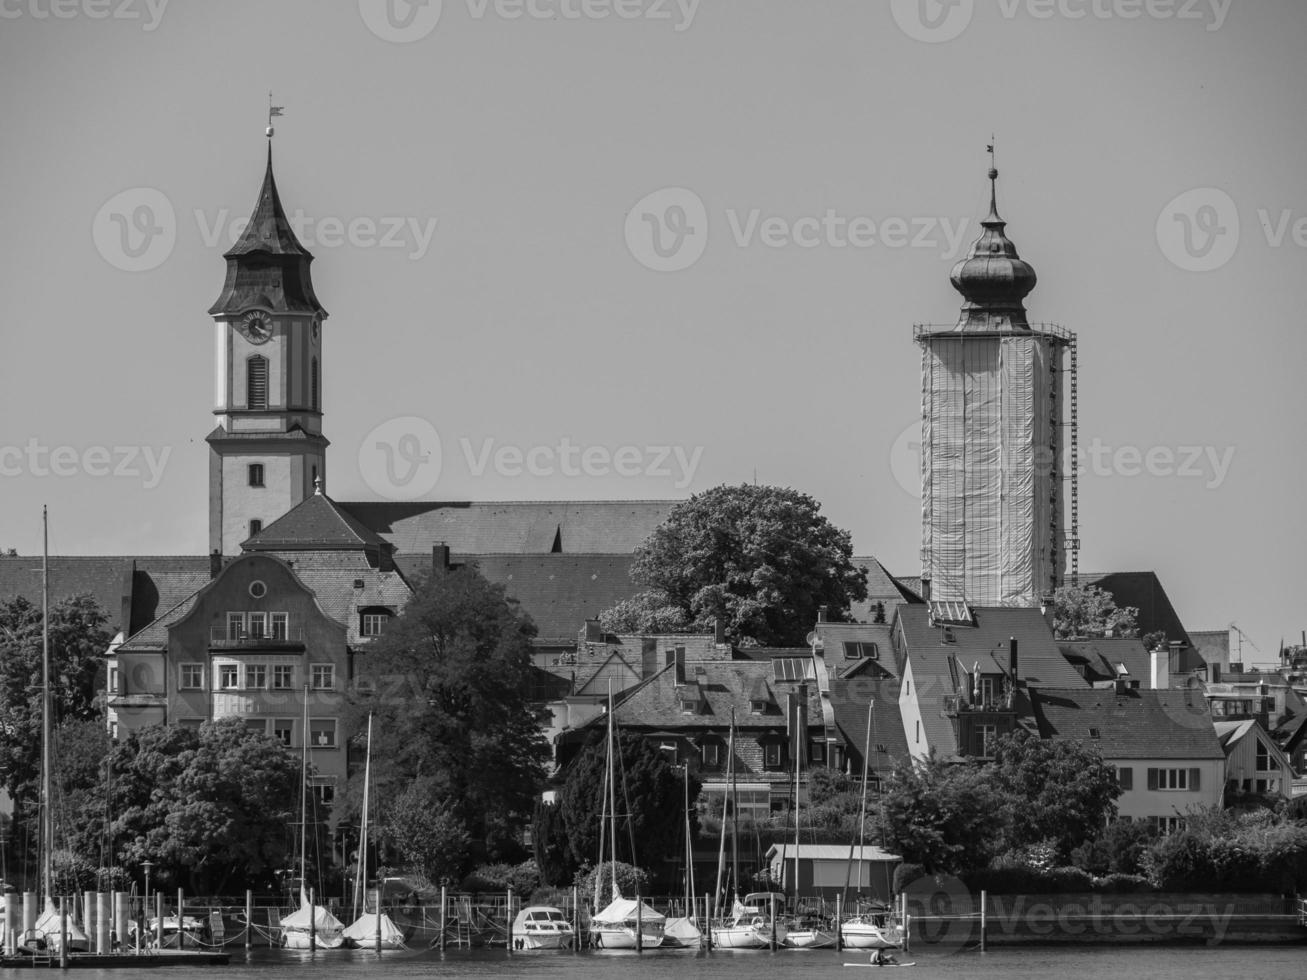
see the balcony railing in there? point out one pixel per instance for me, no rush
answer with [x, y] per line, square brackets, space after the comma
[229, 638]
[1056, 331]
[956, 704]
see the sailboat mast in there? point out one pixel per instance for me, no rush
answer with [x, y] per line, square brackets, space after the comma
[47, 797]
[304, 797]
[726, 806]
[360, 881]
[862, 806]
[612, 794]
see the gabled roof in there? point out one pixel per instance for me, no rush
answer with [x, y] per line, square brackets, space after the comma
[317, 523]
[515, 527]
[849, 697]
[154, 635]
[1102, 655]
[724, 685]
[835, 635]
[1133, 724]
[883, 588]
[333, 577]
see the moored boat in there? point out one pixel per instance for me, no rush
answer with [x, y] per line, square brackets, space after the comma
[369, 931]
[617, 926]
[542, 927]
[750, 926]
[872, 930]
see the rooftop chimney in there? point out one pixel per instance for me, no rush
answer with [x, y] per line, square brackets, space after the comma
[821, 614]
[1012, 661]
[215, 563]
[439, 558]
[1159, 669]
[719, 630]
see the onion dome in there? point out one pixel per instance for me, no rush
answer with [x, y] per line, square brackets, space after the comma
[993, 279]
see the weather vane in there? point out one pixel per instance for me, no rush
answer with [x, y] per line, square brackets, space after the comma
[273, 110]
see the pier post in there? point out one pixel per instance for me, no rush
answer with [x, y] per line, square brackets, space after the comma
[103, 921]
[907, 931]
[63, 935]
[158, 920]
[576, 919]
[121, 916]
[181, 907]
[88, 914]
[249, 918]
[377, 909]
[772, 900]
[839, 925]
[984, 901]
[29, 910]
[639, 923]
[707, 921]
[444, 915]
[313, 923]
[508, 919]
[11, 922]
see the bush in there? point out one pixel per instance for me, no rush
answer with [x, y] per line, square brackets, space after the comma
[1022, 879]
[523, 878]
[1117, 850]
[631, 881]
[1122, 884]
[905, 874]
[1220, 851]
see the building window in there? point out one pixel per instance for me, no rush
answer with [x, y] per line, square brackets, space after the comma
[258, 625]
[711, 755]
[1263, 757]
[323, 677]
[1125, 777]
[256, 677]
[190, 722]
[282, 729]
[256, 526]
[988, 690]
[987, 734]
[322, 733]
[817, 752]
[256, 382]
[256, 726]
[256, 474]
[859, 650]
[837, 757]
[277, 625]
[314, 404]
[758, 707]
[283, 677]
[918, 732]
[235, 625]
[229, 677]
[373, 624]
[771, 755]
[325, 792]
[192, 677]
[258, 589]
[1173, 779]
[1168, 825]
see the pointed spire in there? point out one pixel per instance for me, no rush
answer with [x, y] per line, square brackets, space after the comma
[317, 486]
[993, 279]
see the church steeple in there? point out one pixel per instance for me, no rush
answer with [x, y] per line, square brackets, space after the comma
[268, 448]
[268, 267]
[993, 279]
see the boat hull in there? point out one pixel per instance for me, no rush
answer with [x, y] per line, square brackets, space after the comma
[618, 938]
[300, 939]
[810, 939]
[751, 935]
[865, 935]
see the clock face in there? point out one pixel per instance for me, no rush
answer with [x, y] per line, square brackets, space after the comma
[257, 327]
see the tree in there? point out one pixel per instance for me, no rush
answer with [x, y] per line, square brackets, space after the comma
[946, 817]
[1057, 790]
[78, 640]
[549, 842]
[213, 807]
[648, 788]
[426, 831]
[762, 559]
[650, 611]
[449, 684]
[1088, 611]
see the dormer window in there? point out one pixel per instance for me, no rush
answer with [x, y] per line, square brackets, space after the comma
[372, 622]
[860, 650]
[710, 754]
[758, 707]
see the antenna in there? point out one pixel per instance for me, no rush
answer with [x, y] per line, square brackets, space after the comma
[1243, 636]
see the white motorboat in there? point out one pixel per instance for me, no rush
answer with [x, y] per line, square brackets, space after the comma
[542, 927]
[615, 926]
[312, 926]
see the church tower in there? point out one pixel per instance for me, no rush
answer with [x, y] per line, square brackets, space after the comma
[268, 449]
[992, 435]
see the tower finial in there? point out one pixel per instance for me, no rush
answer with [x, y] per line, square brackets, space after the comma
[273, 110]
[993, 181]
[317, 485]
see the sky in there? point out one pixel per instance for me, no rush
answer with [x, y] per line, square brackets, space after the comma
[639, 248]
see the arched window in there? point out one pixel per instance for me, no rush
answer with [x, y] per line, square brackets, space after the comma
[313, 380]
[256, 382]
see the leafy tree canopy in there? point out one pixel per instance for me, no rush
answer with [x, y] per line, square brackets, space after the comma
[426, 831]
[1088, 611]
[449, 684]
[761, 558]
[948, 818]
[77, 639]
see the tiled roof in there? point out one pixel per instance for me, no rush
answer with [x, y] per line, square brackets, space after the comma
[1143, 590]
[726, 684]
[559, 592]
[849, 697]
[1101, 655]
[332, 574]
[154, 635]
[882, 587]
[1132, 724]
[317, 523]
[515, 527]
[835, 635]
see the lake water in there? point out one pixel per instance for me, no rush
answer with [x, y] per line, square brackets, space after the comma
[1088, 963]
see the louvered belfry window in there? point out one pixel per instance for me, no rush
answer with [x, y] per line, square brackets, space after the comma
[256, 382]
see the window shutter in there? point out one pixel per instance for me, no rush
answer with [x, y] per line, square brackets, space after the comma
[1152, 779]
[256, 382]
[1125, 776]
[1193, 780]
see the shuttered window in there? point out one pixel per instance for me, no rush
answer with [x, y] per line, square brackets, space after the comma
[313, 375]
[1125, 777]
[256, 382]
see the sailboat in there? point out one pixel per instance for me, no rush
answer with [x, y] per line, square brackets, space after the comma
[619, 923]
[808, 932]
[749, 926]
[683, 932]
[310, 926]
[371, 930]
[874, 929]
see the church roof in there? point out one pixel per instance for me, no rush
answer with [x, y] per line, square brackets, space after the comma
[992, 278]
[268, 267]
[514, 527]
[318, 523]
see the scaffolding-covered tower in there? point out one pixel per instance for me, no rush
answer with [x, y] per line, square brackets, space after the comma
[994, 530]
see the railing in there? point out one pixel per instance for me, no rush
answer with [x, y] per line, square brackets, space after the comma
[223, 637]
[1053, 330]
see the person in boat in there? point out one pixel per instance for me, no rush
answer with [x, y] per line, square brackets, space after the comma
[883, 957]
